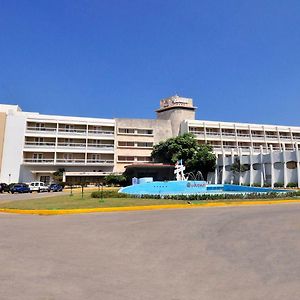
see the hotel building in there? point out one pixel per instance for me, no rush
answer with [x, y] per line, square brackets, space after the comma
[33, 146]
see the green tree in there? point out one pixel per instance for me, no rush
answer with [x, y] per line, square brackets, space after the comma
[195, 157]
[58, 175]
[115, 180]
[237, 168]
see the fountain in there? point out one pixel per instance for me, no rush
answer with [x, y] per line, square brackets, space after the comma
[188, 184]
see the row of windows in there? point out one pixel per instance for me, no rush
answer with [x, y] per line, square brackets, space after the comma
[134, 158]
[135, 131]
[135, 144]
[244, 133]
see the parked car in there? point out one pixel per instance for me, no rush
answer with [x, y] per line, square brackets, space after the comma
[4, 188]
[38, 186]
[54, 187]
[20, 188]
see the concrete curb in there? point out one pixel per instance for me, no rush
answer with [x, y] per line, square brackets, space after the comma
[49, 212]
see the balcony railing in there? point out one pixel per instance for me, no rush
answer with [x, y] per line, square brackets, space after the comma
[71, 131]
[71, 145]
[38, 160]
[99, 161]
[258, 136]
[41, 129]
[39, 144]
[71, 160]
[228, 134]
[274, 137]
[101, 146]
[101, 132]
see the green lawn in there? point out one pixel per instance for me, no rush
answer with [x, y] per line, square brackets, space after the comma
[65, 201]
[68, 202]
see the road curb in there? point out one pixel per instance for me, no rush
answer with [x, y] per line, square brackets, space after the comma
[49, 212]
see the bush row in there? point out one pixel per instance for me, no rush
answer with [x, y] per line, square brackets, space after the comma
[271, 195]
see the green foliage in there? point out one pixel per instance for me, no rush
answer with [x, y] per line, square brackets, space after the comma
[58, 175]
[195, 157]
[237, 167]
[256, 184]
[278, 184]
[108, 194]
[267, 185]
[292, 185]
[112, 179]
[201, 197]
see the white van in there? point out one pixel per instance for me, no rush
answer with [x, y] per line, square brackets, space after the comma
[38, 186]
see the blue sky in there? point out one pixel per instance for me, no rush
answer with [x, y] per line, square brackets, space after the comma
[239, 60]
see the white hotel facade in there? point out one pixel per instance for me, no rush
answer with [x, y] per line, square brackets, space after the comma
[33, 146]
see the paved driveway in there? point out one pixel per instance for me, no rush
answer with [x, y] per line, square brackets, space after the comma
[11, 197]
[229, 253]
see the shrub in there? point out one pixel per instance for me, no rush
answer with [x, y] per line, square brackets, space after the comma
[108, 194]
[256, 184]
[278, 184]
[292, 185]
[267, 185]
[115, 180]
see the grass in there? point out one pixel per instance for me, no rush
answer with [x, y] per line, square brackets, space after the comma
[65, 201]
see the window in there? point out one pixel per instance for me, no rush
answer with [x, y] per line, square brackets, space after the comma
[144, 158]
[38, 157]
[125, 158]
[144, 144]
[145, 131]
[126, 130]
[125, 144]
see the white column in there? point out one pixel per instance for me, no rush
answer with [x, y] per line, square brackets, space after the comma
[216, 170]
[284, 166]
[232, 161]
[223, 168]
[261, 167]
[251, 166]
[298, 162]
[272, 165]
[241, 162]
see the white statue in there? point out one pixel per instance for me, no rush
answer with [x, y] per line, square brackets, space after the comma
[179, 171]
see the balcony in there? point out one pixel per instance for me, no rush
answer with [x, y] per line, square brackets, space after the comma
[43, 130]
[71, 145]
[38, 161]
[71, 131]
[274, 137]
[229, 134]
[101, 146]
[39, 144]
[101, 132]
[73, 161]
[286, 137]
[100, 161]
[258, 137]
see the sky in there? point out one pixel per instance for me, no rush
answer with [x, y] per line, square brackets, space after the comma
[239, 60]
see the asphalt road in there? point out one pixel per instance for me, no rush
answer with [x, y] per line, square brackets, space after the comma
[203, 253]
[4, 197]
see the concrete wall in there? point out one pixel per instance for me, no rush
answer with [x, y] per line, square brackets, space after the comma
[176, 115]
[161, 131]
[2, 135]
[264, 168]
[13, 147]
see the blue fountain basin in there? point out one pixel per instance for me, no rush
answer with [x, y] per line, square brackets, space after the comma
[190, 188]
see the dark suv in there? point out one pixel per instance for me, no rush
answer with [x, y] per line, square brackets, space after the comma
[4, 188]
[54, 187]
